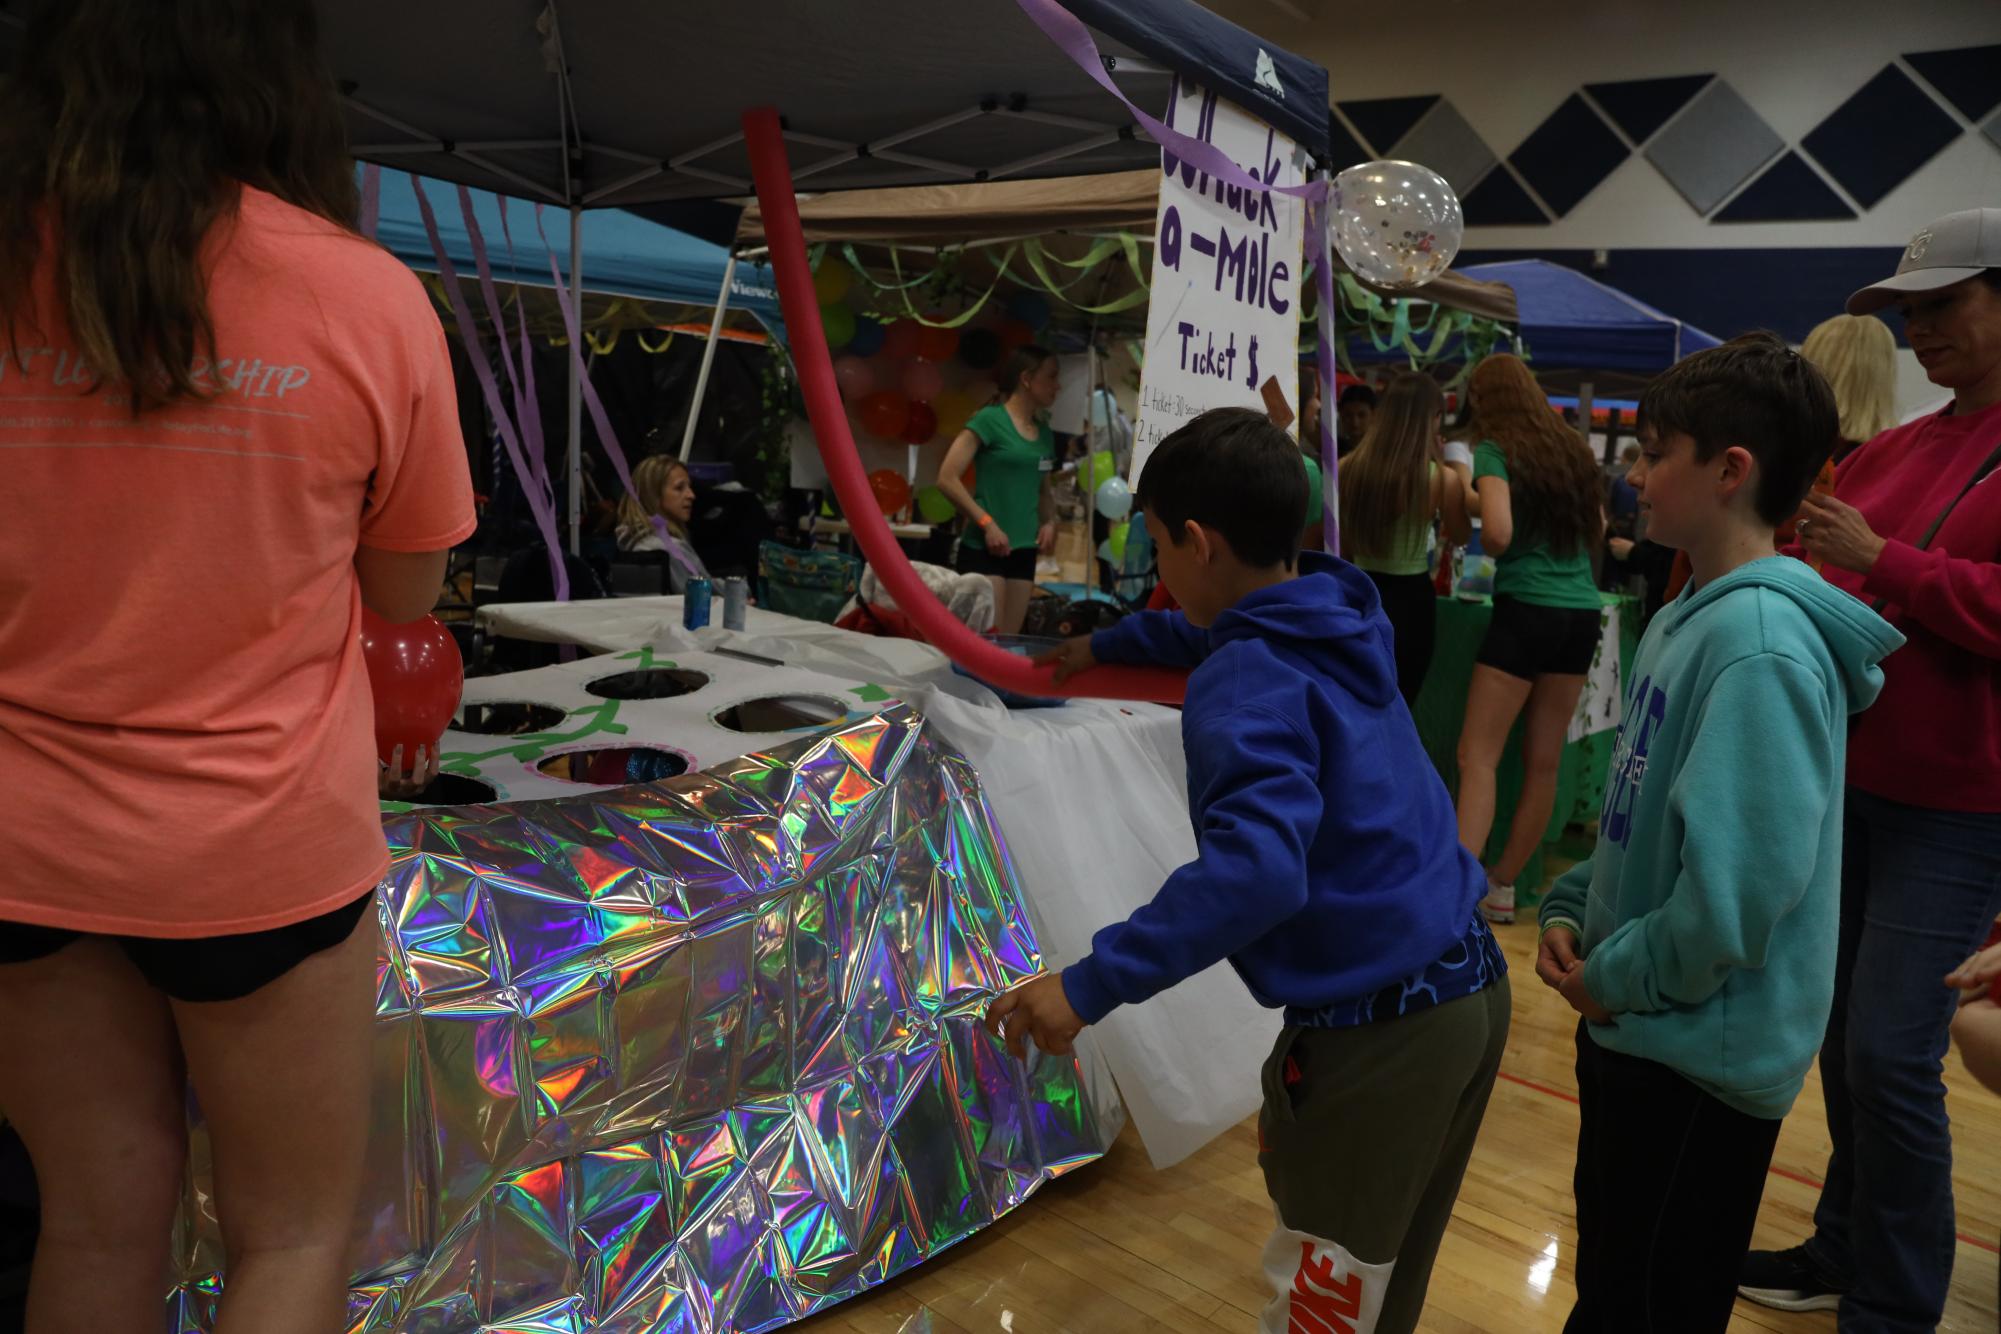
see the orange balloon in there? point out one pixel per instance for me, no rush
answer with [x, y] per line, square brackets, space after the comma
[937, 344]
[892, 490]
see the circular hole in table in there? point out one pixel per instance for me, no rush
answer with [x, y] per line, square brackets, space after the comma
[454, 790]
[614, 766]
[649, 683]
[782, 713]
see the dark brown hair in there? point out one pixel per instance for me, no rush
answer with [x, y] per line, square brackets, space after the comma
[126, 133]
[1231, 470]
[1021, 363]
[1387, 480]
[1757, 393]
[1552, 479]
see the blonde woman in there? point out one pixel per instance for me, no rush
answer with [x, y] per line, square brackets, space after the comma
[1858, 356]
[664, 485]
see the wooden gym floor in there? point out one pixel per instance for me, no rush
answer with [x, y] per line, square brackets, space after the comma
[1119, 1247]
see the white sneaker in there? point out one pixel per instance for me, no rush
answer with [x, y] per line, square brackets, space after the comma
[1499, 905]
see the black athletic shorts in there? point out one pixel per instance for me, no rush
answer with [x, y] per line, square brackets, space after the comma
[1528, 641]
[1017, 564]
[212, 968]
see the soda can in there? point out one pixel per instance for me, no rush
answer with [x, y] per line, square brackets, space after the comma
[736, 599]
[695, 604]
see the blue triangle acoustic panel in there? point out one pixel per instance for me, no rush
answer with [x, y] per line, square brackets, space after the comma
[1641, 106]
[1970, 77]
[1566, 156]
[1384, 120]
[1874, 141]
[1788, 191]
[1500, 201]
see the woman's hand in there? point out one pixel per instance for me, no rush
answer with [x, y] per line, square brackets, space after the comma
[1045, 539]
[1973, 978]
[1556, 956]
[1622, 547]
[393, 784]
[1835, 533]
[997, 543]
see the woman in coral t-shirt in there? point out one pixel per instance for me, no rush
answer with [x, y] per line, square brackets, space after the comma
[255, 407]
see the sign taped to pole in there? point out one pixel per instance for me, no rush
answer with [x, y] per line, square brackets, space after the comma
[1222, 325]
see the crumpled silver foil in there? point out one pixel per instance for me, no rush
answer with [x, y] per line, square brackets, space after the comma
[701, 1055]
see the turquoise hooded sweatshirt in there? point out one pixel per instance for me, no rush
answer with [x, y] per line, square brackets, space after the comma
[1707, 913]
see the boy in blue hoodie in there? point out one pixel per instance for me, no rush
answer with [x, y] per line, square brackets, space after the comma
[1329, 874]
[1698, 941]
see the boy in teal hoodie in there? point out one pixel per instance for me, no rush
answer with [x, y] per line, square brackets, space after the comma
[1698, 941]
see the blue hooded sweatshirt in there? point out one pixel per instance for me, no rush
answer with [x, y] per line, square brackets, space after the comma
[1707, 914]
[1328, 867]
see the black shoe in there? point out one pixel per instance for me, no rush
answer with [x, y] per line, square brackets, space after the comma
[1787, 1281]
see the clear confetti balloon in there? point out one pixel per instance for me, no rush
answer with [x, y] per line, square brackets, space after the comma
[1396, 224]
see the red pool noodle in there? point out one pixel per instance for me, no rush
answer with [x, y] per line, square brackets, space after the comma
[765, 141]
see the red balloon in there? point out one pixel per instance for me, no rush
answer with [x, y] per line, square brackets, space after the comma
[892, 490]
[884, 414]
[922, 380]
[937, 344]
[923, 424]
[900, 340]
[416, 676]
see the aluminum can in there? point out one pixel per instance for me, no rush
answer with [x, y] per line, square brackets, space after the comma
[695, 604]
[736, 600]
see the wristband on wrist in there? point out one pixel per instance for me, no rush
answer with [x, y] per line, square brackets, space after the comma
[985, 521]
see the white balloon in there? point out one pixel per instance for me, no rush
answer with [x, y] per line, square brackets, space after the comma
[1396, 224]
[1115, 498]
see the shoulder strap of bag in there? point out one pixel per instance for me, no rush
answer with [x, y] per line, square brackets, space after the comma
[1987, 465]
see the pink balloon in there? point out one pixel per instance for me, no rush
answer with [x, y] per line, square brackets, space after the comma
[855, 376]
[923, 381]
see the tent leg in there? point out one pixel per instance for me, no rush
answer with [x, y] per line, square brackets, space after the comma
[576, 386]
[1584, 419]
[708, 359]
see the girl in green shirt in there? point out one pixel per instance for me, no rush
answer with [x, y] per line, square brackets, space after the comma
[1392, 488]
[1013, 511]
[1537, 493]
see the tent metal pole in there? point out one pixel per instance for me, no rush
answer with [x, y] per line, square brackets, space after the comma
[577, 385]
[708, 359]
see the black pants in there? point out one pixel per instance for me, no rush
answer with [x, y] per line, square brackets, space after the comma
[1411, 603]
[1668, 1184]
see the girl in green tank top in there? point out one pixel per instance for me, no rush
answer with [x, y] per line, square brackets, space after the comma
[1392, 489]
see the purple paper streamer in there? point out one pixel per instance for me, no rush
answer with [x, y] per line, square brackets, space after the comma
[1069, 33]
[527, 412]
[542, 506]
[606, 437]
[1330, 450]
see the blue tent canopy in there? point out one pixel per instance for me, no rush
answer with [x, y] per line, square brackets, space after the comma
[623, 255]
[1574, 322]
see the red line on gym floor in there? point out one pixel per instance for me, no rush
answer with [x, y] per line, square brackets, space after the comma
[1789, 1175]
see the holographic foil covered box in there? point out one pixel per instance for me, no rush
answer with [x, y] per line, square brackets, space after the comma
[700, 1055]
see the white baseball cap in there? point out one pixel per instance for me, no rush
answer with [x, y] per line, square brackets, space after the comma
[1958, 246]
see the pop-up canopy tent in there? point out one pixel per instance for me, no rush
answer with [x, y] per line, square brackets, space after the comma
[997, 212]
[1574, 322]
[609, 104]
[623, 255]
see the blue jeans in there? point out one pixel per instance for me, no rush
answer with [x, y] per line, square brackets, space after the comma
[1919, 889]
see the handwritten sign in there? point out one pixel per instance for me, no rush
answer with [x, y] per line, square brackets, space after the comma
[1222, 322]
